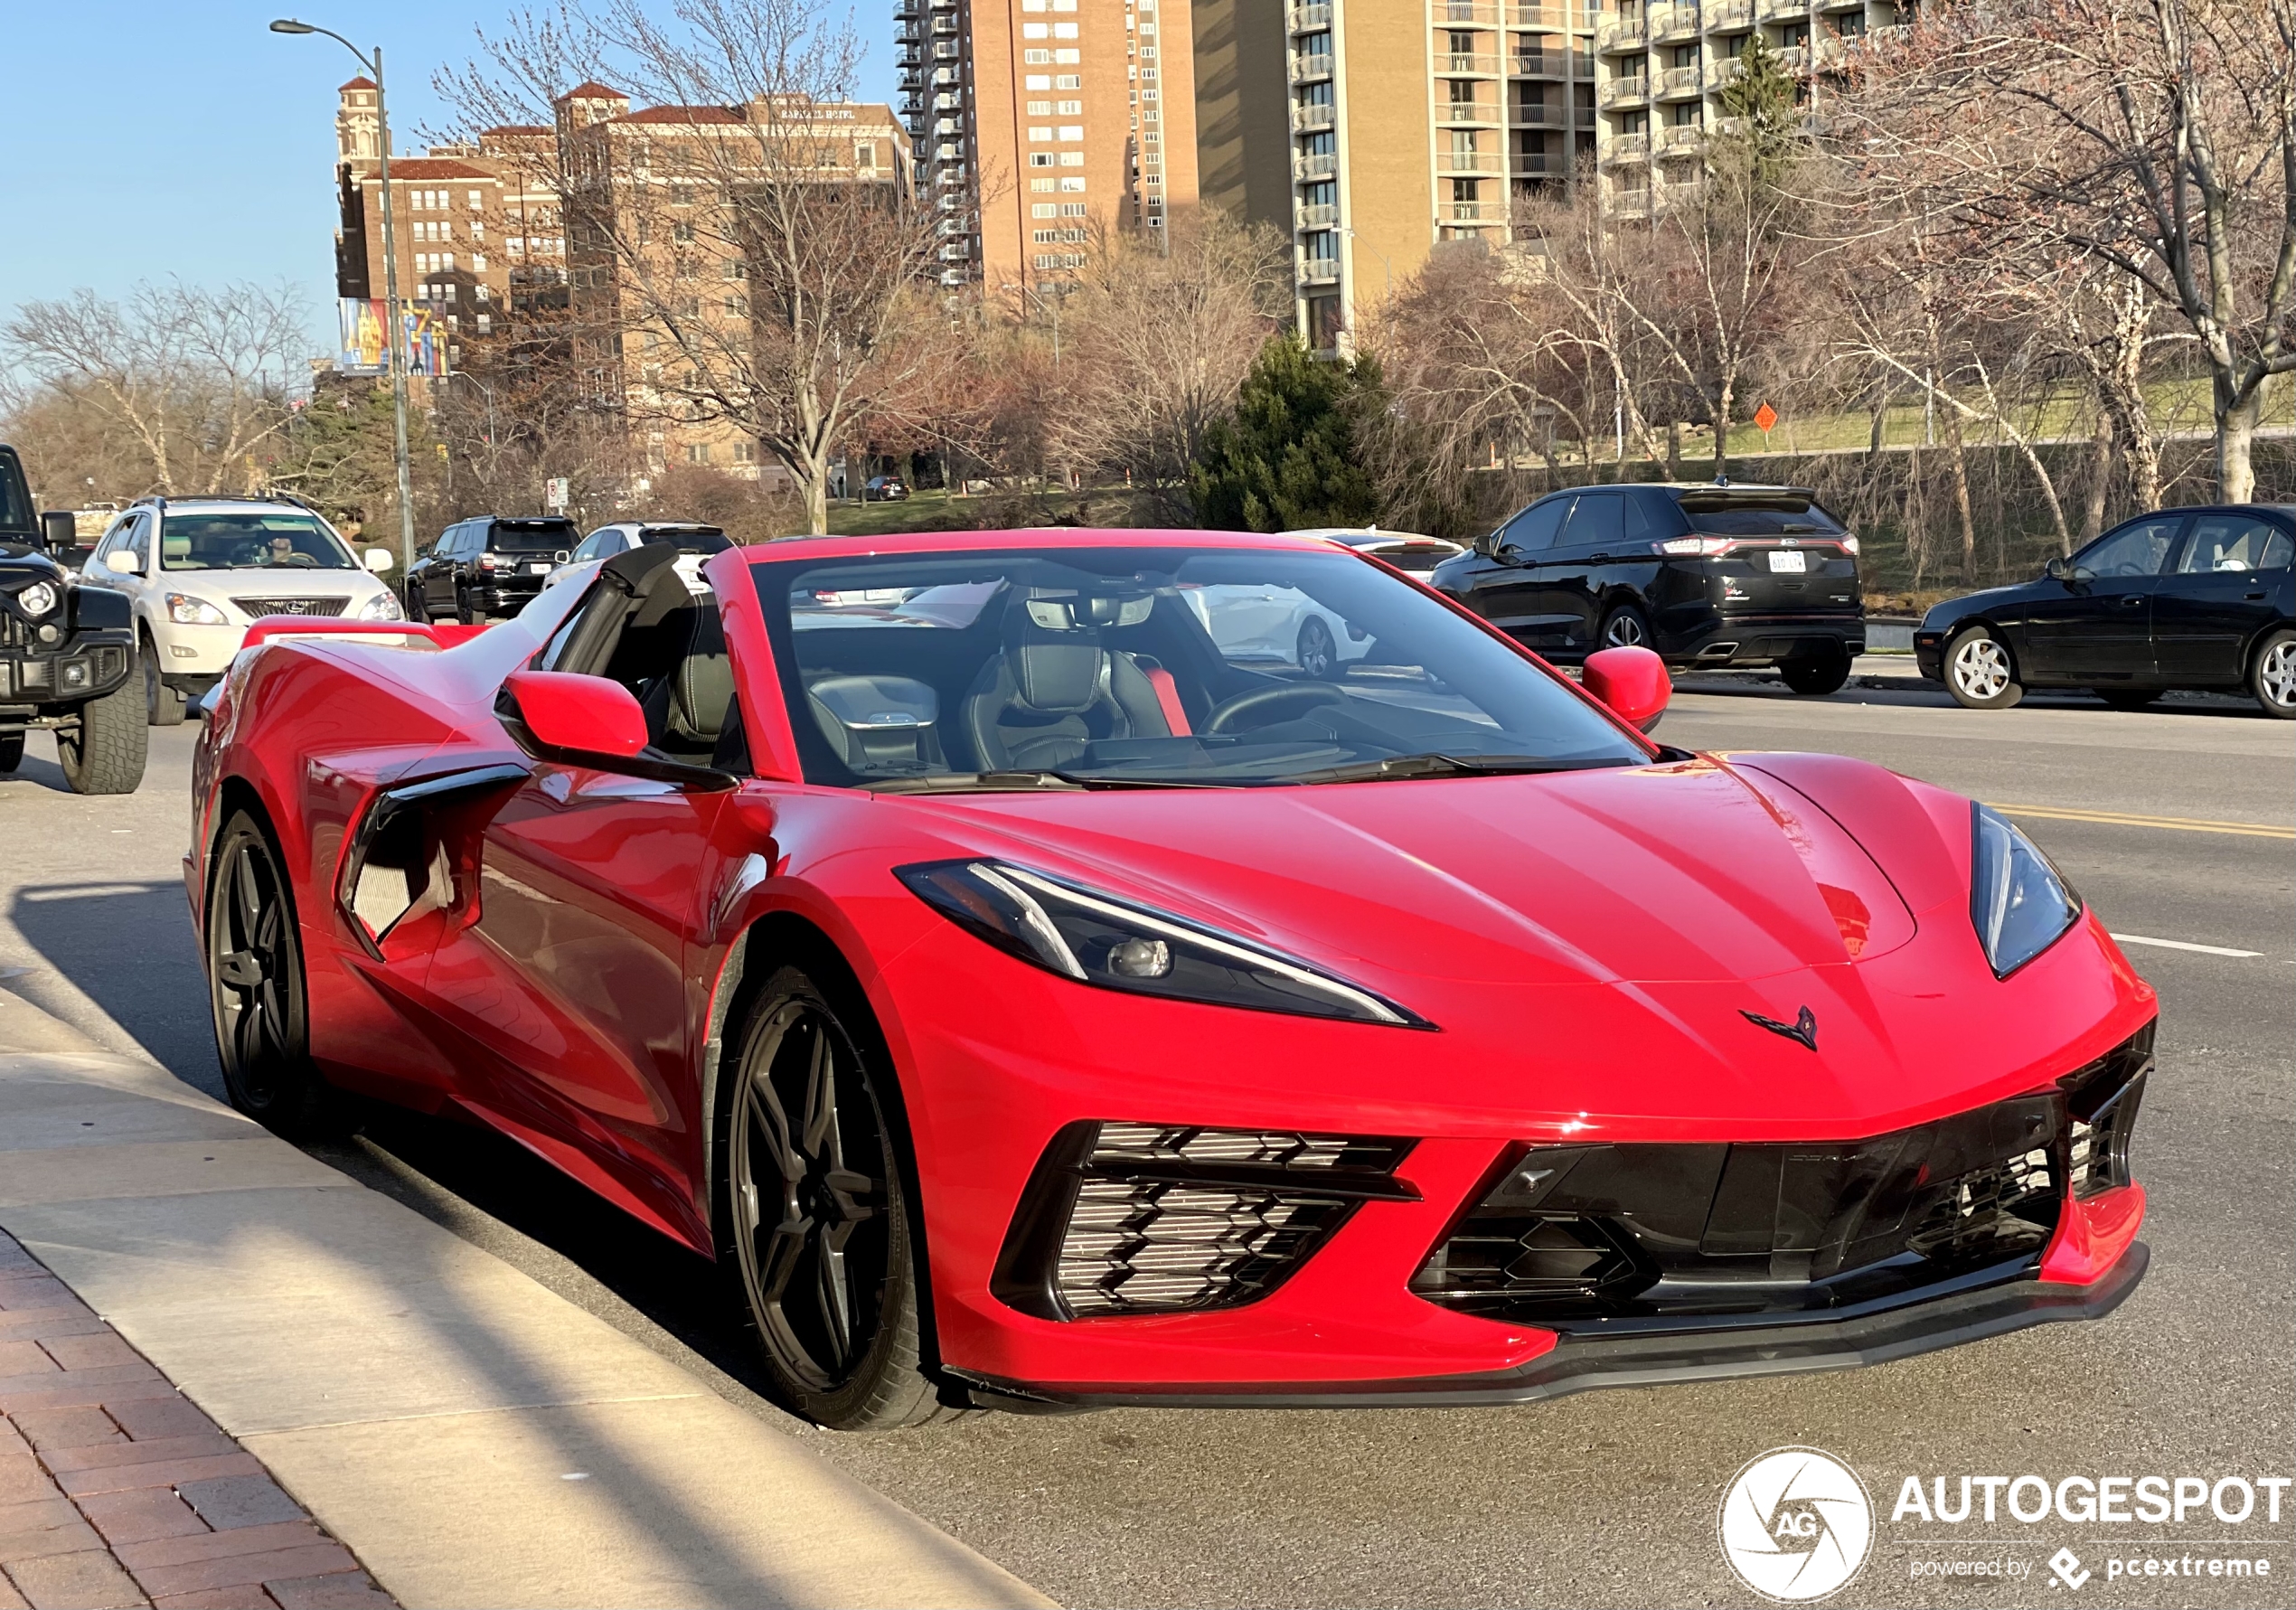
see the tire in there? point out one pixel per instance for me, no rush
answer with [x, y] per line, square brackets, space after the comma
[1625, 626]
[105, 754]
[418, 611]
[162, 705]
[256, 995]
[1979, 672]
[2130, 698]
[846, 1353]
[463, 611]
[1318, 651]
[1816, 677]
[11, 751]
[2272, 675]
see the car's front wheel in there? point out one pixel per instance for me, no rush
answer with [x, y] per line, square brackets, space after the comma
[256, 992]
[1318, 652]
[1980, 674]
[818, 1217]
[11, 750]
[104, 751]
[162, 705]
[2272, 679]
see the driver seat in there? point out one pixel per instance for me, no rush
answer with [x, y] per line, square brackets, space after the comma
[1053, 691]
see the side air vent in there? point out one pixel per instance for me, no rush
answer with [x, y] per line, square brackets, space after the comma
[1125, 1217]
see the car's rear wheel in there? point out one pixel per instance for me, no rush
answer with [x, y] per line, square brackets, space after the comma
[11, 750]
[1979, 672]
[162, 705]
[463, 612]
[1318, 651]
[819, 1219]
[418, 611]
[104, 751]
[2130, 698]
[1817, 674]
[1626, 627]
[255, 988]
[2272, 677]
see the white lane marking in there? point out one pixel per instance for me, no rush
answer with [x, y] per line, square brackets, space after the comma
[2183, 944]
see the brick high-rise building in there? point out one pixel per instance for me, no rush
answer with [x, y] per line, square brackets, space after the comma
[1036, 121]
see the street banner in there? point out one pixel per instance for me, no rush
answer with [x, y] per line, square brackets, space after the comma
[361, 321]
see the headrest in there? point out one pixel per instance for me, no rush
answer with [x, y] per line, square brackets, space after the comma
[172, 546]
[1056, 667]
[704, 688]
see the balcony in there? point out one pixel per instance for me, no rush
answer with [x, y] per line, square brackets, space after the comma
[1314, 164]
[1832, 51]
[1307, 69]
[1625, 34]
[1452, 64]
[1319, 270]
[1520, 16]
[1623, 150]
[903, 10]
[1728, 16]
[946, 49]
[1531, 165]
[1321, 216]
[1841, 5]
[907, 33]
[1724, 71]
[1772, 11]
[1471, 211]
[1620, 92]
[1676, 82]
[1681, 139]
[1552, 64]
[1794, 58]
[945, 25]
[1466, 162]
[1676, 22]
[1474, 114]
[1307, 118]
[1308, 19]
[1470, 14]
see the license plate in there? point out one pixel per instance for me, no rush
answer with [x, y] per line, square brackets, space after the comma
[1790, 564]
[543, 569]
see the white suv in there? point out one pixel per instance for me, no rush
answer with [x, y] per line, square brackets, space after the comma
[199, 570]
[694, 542]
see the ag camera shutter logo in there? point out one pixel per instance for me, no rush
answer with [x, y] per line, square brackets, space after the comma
[1796, 1524]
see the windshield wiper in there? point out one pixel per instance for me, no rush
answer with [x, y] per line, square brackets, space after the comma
[1432, 765]
[1019, 781]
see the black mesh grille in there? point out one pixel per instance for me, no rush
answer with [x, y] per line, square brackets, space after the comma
[1158, 1218]
[262, 606]
[1616, 1234]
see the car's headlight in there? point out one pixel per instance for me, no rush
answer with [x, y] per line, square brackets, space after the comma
[37, 599]
[1097, 939]
[383, 605]
[2021, 903]
[187, 611]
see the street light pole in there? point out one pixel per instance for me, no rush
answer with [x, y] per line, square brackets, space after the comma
[394, 330]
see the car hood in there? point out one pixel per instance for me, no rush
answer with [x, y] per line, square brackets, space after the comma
[18, 559]
[1953, 609]
[1590, 943]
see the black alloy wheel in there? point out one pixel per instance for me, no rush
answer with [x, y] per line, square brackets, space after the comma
[254, 985]
[417, 606]
[819, 1219]
[1318, 651]
[2130, 698]
[1626, 627]
[463, 610]
[1816, 676]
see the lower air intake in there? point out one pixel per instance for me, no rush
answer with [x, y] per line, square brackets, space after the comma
[1125, 1218]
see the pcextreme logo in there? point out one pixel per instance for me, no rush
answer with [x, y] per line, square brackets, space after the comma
[1796, 1524]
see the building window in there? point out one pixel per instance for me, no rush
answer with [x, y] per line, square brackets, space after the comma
[1037, 58]
[1040, 160]
[1039, 80]
[1045, 210]
[1072, 209]
[697, 452]
[1035, 31]
[1068, 80]
[1041, 133]
[1068, 58]
[1072, 108]
[1064, 30]
[486, 324]
[1072, 159]
[1072, 133]
[1039, 109]
[1042, 185]
[1072, 186]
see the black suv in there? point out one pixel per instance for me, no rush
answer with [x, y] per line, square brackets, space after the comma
[487, 566]
[1706, 574]
[67, 655]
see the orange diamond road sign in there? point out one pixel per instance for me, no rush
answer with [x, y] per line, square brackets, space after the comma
[1765, 416]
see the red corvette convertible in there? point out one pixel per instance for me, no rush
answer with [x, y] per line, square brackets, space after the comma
[1033, 1004]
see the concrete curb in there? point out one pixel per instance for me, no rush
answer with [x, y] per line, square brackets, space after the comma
[472, 1438]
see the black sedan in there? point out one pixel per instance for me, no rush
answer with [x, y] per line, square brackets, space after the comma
[2199, 598]
[1706, 574]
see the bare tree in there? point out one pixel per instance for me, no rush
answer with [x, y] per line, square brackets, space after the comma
[194, 380]
[736, 261]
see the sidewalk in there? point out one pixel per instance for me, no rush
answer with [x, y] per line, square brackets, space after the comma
[470, 1437]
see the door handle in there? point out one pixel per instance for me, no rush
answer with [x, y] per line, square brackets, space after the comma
[2251, 596]
[2131, 600]
[1599, 559]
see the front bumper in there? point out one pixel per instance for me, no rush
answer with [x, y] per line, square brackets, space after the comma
[85, 666]
[200, 651]
[1929, 653]
[1583, 1362]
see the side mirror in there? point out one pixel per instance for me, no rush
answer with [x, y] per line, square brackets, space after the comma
[2059, 568]
[380, 559]
[582, 718]
[1507, 554]
[59, 530]
[1632, 681]
[121, 563]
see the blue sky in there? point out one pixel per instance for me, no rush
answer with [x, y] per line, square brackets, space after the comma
[144, 138]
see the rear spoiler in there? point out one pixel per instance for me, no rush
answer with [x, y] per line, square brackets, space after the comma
[272, 628]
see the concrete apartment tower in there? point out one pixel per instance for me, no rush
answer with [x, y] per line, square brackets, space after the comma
[1034, 122]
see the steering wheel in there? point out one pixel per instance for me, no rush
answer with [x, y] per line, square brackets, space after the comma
[1229, 714]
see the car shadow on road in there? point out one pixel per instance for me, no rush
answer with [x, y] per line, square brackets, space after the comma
[128, 948]
[39, 769]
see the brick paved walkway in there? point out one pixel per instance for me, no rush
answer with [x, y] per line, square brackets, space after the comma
[116, 1490]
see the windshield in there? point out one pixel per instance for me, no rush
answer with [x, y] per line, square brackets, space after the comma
[1153, 666]
[255, 539]
[532, 536]
[1778, 517]
[15, 501]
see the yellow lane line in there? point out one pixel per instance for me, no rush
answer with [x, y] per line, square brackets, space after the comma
[2256, 830]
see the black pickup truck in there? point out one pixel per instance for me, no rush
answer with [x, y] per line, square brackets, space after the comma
[67, 655]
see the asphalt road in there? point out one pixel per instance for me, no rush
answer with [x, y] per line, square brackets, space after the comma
[1608, 1498]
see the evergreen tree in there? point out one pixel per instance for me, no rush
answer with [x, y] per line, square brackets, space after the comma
[1288, 459]
[1763, 98]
